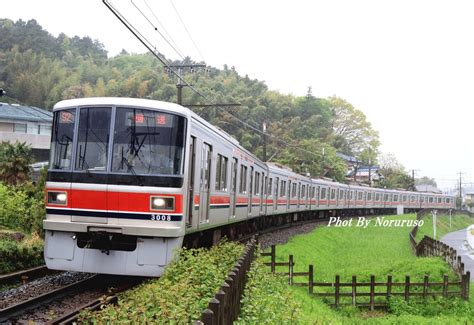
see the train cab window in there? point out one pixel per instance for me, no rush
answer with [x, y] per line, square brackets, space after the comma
[221, 173]
[62, 137]
[148, 142]
[93, 139]
[243, 179]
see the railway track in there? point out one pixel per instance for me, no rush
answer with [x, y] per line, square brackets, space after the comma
[25, 275]
[62, 305]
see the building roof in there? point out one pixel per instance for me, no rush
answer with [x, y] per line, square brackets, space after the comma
[15, 112]
[347, 158]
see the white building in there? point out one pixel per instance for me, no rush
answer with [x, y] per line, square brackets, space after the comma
[27, 124]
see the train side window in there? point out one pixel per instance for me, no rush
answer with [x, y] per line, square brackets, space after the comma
[243, 179]
[221, 173]
[270, 186]
[283, 188]
[323, 193]
[277, 181]
[303, 189]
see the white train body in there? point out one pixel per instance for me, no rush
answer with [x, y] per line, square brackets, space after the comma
[129, 178]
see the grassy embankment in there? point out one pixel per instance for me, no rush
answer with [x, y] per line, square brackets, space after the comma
[458, 221]
[380, 251]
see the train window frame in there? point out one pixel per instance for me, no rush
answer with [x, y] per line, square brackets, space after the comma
[277, 181]
[54, 140]
[243, 179]
[270, 186]
[283, 188]
[222, 163]
[323, 193]
[332, 195]
[257, 183]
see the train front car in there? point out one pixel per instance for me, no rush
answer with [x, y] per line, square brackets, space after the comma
[115, 188]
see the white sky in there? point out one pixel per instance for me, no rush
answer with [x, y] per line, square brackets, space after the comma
[408, 65]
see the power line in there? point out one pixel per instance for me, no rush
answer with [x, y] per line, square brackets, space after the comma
[163, 60]
[162, 26]
[156, 29]
[187, 31]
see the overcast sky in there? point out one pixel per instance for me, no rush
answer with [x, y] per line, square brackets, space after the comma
[408, 65]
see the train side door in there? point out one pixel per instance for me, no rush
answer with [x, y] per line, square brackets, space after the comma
[192, 167]
[206, 156]
[233, 187]
[250, 193]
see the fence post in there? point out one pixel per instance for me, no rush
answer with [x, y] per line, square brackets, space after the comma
[407, 287]
[214, 306]
[207, 317]
[389, 286]
[425, 286]
[290, 270]
[273, 258]
[336, 288]
[468, 284]
[310, 279]
[354, 290]
[229, 311]
[227, 295]
[372, 292]
[445, 286]
[220, 296]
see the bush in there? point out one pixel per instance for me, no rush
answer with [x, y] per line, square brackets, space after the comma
[20, 255]
[267, 299]
[180, 295]
[21, 210]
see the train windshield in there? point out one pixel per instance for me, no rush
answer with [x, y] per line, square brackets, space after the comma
[148, 142]
[61, 141]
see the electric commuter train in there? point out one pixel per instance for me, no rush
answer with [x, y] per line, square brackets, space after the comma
[128, 179]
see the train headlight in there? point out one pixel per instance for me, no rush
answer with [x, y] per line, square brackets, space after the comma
[57, 198]
[161, 203]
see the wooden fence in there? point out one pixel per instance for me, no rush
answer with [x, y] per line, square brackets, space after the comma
[224, 308]
[376, 293]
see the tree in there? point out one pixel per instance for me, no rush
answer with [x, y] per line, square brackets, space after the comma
[394, 173]
[425, 181]
[15, 160]
[353, 134]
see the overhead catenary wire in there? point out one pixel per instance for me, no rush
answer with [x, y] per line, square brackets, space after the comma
[180, 54]
[167, 65]
[187, 31]
[163, 27]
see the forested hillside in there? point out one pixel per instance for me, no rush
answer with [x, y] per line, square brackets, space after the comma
[39, 69]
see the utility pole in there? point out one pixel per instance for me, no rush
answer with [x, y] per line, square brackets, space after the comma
[413, 171]
[460, 189]
[180, 70]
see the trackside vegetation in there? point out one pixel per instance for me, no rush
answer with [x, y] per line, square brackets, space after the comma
[380, 251]
[180, 295]
[443, 225]
[266, 298]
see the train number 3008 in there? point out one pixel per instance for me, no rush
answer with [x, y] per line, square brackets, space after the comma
[160, 217]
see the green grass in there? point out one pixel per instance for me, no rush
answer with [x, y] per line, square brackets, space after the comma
[458, 222]
[375, 250]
